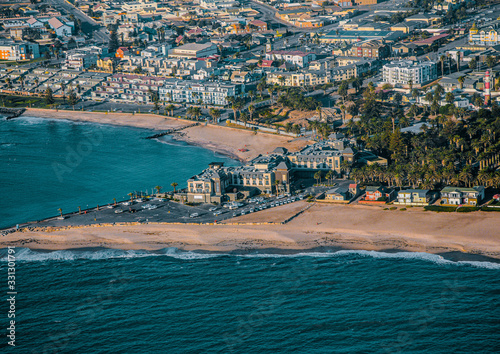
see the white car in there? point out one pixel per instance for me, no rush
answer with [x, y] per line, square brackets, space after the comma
[118, 211]
[194, 215]
[213, 209]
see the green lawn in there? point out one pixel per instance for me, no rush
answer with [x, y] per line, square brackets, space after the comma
[24, 101]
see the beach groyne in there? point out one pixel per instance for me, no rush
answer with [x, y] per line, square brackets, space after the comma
[170, 131]
[11, 113]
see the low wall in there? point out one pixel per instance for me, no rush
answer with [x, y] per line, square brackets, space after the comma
[374, 202]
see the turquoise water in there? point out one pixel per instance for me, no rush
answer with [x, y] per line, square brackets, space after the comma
[110, 301]
[51, 164]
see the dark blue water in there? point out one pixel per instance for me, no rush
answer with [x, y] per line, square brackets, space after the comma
[51, 164]
[176, 302]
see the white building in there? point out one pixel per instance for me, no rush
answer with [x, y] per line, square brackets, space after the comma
[184, 91]
[193, 50]
[401, 72]
[298, 58]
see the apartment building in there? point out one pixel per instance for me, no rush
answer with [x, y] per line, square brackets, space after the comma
[301, 59]
[487, 36]
[128, 88]
[373, 49]
[402, 72]
[193, 50]
[83, 58]
[294, 78]
[11, 50]
[191, 91]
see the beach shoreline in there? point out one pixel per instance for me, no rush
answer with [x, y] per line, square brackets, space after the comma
[322, 227]
[237, 144]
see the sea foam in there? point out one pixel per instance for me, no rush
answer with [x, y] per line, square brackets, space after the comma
[28, 255]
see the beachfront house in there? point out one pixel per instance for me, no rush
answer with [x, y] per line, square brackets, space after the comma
[342, 194]
[462, 195]
[378, 193]
[415, 197]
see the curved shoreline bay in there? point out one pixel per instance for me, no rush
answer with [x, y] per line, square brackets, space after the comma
[52, 164]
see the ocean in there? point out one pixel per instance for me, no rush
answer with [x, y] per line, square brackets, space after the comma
[170, 301]
[51, 164]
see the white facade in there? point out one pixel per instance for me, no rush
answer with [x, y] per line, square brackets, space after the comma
[300, 59]
[401, 72]
[183, 91]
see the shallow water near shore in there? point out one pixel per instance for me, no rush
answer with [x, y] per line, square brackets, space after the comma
[49, 164]
[112, 301]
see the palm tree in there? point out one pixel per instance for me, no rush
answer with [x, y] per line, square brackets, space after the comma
[196, 112]
[174, 185]
[317, 177]
[214, 113]
[251, 109]
[60, 211]
[466, 175]
[244, 118]
[461, 81]
[158, 189]
[114, 201]
[170, 108]
[442, 59]
[329, 176]
[410, 84]
[131, 195]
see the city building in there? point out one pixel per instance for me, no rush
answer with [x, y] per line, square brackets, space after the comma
[301, 59]
[193, 50]
[10, 50]
[406, 71]
[190, 91]
[486, 36]
[373, 48]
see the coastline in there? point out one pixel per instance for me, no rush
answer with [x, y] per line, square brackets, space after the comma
[321, 227]
[224, 140]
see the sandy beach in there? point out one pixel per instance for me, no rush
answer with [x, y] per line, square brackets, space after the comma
[224, 140]
[331, 226]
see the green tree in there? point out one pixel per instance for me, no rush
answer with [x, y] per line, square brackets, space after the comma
[317, 177]
[113, 41]
[49, 97]
[174, 185]
[449, 98]
[473, 64]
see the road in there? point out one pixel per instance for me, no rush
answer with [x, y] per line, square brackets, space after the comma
[100, 34]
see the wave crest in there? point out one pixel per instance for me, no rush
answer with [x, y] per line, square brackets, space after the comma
[28, 255]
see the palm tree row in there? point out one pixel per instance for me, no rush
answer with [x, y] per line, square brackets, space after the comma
[425, 177]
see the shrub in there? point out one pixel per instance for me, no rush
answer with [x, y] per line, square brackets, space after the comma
[437, 208]
[486, 208]
[393, 208]
[386, 209]
[467, 209]
[402, 209]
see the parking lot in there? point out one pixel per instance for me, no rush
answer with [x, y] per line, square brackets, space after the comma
[162, 210]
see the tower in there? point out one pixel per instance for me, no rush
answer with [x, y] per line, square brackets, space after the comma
[487, 90]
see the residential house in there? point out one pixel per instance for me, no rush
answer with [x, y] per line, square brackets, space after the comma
[462, 196]
[415, 197]
[378, 193]
[61, 27]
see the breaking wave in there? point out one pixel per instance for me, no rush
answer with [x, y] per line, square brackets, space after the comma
[28, 255]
